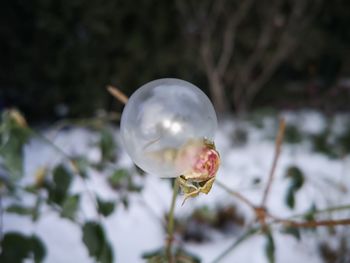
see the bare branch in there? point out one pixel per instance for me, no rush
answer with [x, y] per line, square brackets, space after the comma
[315, 223]
[278, 145]
[263, 41]
[287, 43]
[229, 35]
[213, 15]
[265, 37]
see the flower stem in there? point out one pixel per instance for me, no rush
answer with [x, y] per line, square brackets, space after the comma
[171, 222]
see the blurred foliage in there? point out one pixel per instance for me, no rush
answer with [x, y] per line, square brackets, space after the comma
[58, 186]
[57, 56]
[293, 231]
[108, 146]
[239, 137]
[70, 207]
[180, 256]
[339, 253]
[199, 225]
[292, 134]
[309, 215]
[105, 208]
[296, 177]
[270, 247]
[323, 143]
[123, 179]
[51, 188]
[95, 240]
[17, 247]
[330, 144]
[344, 141]
[13, 136]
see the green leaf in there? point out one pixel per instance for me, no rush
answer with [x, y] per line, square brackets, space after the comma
[17, 247]
[19, 210]
[290, 199]
[92, 236]
[292, 134]
[160, 256]
[106, 254]
[296, 177]
[32, 189]
[58, 189]
[322, 144]
[38, 249]
[270, 247]
[125, 202]
[105, 208]
[36, 209]
[118, 178]
[132, 187]
[81, 165]
[107, 145]
[13, 137]
[185, 256]
[310, 216]
[293, 231]
[70, 207]
[96, 243]
[26, 211]
[5, 178]
[62, 178]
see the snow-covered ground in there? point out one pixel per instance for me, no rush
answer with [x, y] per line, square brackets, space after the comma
[138, 230]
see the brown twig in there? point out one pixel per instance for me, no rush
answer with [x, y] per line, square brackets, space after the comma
[260, 211]
[116, 93]
[314, 223]
[278, 144]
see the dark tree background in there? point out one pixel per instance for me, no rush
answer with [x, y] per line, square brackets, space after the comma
[57, 56]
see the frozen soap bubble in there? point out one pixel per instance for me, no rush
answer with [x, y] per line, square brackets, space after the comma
[160, 121]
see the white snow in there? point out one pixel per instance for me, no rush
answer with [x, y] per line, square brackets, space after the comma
[138, 229]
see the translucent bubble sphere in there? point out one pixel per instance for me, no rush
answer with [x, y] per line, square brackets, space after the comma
[160, 119]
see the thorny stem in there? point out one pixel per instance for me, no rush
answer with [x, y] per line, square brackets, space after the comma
[171, 222]
[278, 144]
